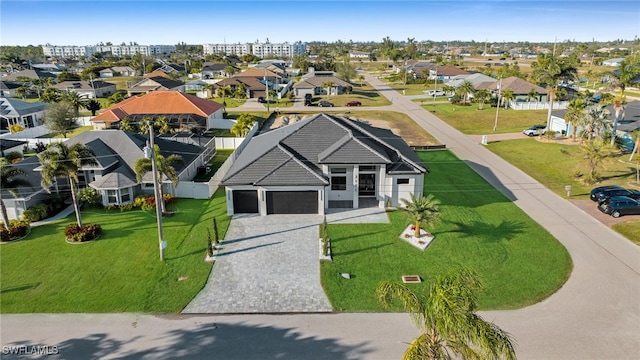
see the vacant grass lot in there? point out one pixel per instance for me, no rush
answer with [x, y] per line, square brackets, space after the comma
[120, 272]
[519, 261]
[470, 120]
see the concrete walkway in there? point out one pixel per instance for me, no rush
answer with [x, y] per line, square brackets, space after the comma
[596, 314]
[268, 264]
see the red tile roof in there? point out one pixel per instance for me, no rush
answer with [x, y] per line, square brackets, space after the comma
[159, 102]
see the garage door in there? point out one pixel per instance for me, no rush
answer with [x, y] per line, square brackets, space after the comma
[292, 202]
[245, 201]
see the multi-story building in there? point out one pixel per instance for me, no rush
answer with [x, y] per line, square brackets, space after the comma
[258, 49]
[70, 51]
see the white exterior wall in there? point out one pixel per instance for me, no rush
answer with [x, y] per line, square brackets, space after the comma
[352, 185]
[404, 191]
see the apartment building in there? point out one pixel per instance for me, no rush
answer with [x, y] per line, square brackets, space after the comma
[70, 51]
[258, 49]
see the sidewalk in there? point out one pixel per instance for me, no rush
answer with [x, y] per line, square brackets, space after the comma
[61, 215]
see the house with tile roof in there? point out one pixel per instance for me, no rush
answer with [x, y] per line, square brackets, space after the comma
[520, 88]
[319, 163]
[26, 114]
[184, 112]
[313, 83]
[113, 177]
[118, 71]
[156, 83]
[88, 89]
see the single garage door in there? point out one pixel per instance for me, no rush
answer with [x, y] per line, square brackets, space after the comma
[292, 202]
[245, 201]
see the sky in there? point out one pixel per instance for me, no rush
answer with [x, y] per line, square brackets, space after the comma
[168, 22]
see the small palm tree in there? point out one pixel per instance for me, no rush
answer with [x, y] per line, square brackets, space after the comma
[126, 125]
[465, 90]
[60, 160]
[595, 151]
[481, 96]
[423, 210]
[507, 96]
[10, 181]
[575, 111]
[164, 165]
[447, 320]
[77, 101]
[532, 95]
[594, 120]
[93, 105]
[162, 123]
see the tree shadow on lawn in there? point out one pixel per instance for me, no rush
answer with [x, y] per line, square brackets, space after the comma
[206, 341]
[506, 230]
[20, 288]
[358, 250]
[620, 173]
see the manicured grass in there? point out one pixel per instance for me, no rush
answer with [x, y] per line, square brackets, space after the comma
[470, 120]
[77, 131]
[414, 89]
[364, 93]
[629, 229]
[230, 102]
[555, 165]
[120, 272]
[518, 260]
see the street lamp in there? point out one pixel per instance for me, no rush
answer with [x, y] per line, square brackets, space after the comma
[495, 124]
[149, 153]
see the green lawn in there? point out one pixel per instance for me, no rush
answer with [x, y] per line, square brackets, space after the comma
[230, 102]
[470, 120]
[629, 229]
[216, 161]
[77, 131]
[518, 260]
[121, 272]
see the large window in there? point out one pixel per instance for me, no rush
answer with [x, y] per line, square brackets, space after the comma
[402, 181]
[338, 183]
[112, 196]
[125, 195]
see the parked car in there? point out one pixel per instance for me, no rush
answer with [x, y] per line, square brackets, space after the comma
[307, 102]
[434, 93]
[324, 103]
[617, 206]
[607, 193]
[261, 99]
[595, 192]
[535, 130]
[353, 103]
[308, 97]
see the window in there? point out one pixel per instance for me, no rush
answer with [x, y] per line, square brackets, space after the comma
[402, 181]
[338, 183]
[367, 168]
[339, 170]
[112, 197]
[125, 195]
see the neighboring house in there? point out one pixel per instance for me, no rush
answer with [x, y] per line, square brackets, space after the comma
[359, 55]
[30, 74]
[88, 89]
[319, 163]
[254, 86]
[313, 83]
[215, 71]
[157, 83]
[155, 73]
[9, 145]
[262, 73]
[172, 68]
[196, 85]
[113, 177]
[183, 111]
[446, 72]
[8, 89]
[520, 88]
[613, 62]
[118, 71]
[474, 79]
[27, 114]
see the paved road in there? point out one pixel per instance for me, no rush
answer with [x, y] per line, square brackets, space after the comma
[596, 314]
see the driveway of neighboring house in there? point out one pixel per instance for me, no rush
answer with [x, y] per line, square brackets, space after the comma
[267, 264]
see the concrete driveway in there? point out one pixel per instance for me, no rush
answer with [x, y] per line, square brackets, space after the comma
[268, 264]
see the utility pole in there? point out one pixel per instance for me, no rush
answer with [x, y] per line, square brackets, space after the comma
[149, 153]
[495, 124]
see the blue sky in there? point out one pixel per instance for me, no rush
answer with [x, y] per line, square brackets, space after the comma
[87, 22]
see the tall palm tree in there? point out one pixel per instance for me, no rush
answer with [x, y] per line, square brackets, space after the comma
[422, 211]
[481, 96]
[164, 165]
[449, 327]
[550, 70]
[448, 89]
[465, 90]
[10, 180]
[60, 160]
[93, 105]
[73, 98]
[240, 91]
[575, 111]
[594, 120]
[595, 151]
[143, 125]
[507, 96]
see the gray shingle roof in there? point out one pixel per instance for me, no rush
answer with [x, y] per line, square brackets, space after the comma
[293, 154]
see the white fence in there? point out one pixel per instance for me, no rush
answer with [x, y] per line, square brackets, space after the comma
[533, 105]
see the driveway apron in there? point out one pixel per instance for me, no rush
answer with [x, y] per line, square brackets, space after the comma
[267, 264]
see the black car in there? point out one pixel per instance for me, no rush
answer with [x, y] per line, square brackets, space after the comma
[261, 99]
[325, 104]
[595, 192]
[308, 97]
[605, 194]
[617, 206]
[307, 102]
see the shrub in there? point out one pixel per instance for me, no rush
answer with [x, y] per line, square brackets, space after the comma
[89, 197]
[127, 206]
[88, 232]
[112, 207]
[16, 230]
[36, 213]
[13, 157]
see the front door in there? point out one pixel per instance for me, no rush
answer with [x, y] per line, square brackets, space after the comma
[367, 185]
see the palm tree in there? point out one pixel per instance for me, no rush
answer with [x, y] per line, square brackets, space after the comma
[60, 160]
[10, 181]
[164, 165]
[532, 95]
[126, 125]
[21, 91]
[465, 89]
[449, 327]
[328, 85]
[575, 111]
[594, 120]
[162, 123]
[549, 70]
[595, 151]
[143, 125]
[222, 92]
[93, 105]
[448, 89]
[240, 91]
[481, 96]
[423, 210]
[507, 96]
[73, 98]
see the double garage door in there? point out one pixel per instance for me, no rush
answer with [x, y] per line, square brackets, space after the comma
[278, 202]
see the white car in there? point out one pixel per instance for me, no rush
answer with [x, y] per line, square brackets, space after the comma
[535, 130]
[434, 93]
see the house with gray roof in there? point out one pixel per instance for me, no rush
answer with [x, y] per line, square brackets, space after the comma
[156, 83]
[88, 89]
[26, 114]
[319, 163]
